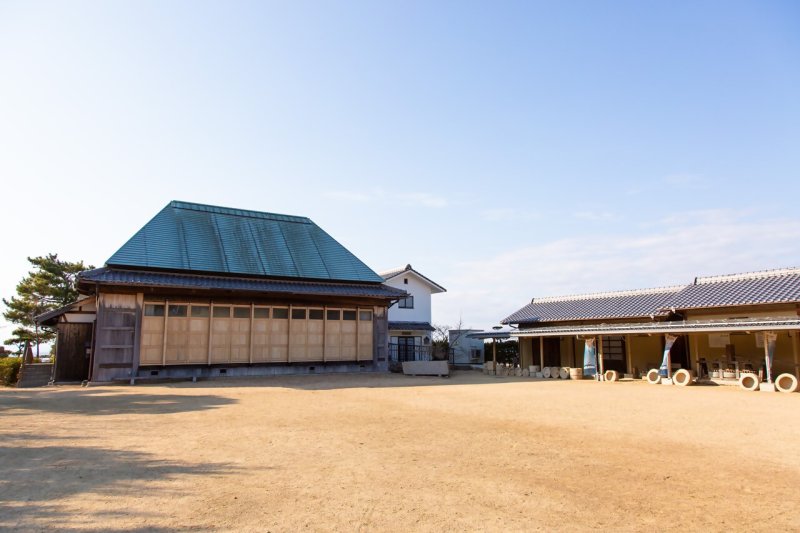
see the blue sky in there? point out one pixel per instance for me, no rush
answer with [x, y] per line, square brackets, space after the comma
[506, 149]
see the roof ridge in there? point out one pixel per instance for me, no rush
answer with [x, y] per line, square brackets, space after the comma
[608, 294]
[757, 274]
[393, 271]
[389, 274]
[208, 208]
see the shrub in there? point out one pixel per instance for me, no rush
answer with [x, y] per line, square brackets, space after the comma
[9, 370]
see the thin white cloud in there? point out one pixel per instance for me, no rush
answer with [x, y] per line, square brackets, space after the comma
[692, 244]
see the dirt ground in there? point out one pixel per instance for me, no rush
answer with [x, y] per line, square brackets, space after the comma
[393, 453]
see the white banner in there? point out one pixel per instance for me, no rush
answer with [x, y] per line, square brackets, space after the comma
[589, 358]
[669, 340]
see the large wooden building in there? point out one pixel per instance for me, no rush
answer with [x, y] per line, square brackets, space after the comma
[206, 291]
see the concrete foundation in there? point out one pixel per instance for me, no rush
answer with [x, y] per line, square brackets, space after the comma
[217, 371]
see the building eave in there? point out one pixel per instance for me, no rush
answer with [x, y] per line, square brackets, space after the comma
[680, 327]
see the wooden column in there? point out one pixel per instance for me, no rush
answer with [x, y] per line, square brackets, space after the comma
[796, 351]
[210, 328]
[164, 345]
[325, 329]
[629, 366]
[358, 340]
[137, 335]
[289, 337]
[696, 350]
[494, 354]
[541, 354]
[250, 346]
[600, 354]
[571, 361]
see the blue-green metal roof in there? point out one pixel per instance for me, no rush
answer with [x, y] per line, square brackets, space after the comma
[195, 237]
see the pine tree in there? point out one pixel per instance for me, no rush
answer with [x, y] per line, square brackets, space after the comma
[50, 285]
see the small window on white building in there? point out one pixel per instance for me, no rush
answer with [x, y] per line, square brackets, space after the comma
[406, 303]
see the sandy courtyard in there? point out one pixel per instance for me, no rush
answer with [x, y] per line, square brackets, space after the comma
[391, 453]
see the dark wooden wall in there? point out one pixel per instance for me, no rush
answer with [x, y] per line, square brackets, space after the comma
[380, 338]
[118, 328]
[72, 351]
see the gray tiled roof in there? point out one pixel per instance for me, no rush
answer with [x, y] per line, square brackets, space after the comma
[676, 326]
[767, 287]
[111, 276]
[389, 274]
[612, 305]
[414, 326]
[47, 317]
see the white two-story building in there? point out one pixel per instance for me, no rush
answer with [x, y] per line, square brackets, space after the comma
[410, 329]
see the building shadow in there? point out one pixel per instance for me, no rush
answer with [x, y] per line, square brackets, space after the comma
[363, 380]
[35, 481]
[105, 401]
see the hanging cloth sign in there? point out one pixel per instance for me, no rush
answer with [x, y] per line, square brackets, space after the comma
[589, 358]
[769, 352]
[669, 341]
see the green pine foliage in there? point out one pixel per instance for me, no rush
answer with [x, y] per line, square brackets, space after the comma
[9, 370]
[49, 285]
[507, 351]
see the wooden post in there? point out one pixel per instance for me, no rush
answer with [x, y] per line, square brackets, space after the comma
[358, 340]
[696, 350]
[600, 352]
[289, 338]
[252, 317]
[574, 355]
[629, 366]
[541, 354]
[164, 344]
[137, 335]
[210, 328]
[796, 351]
[325, 330]
[494, 354]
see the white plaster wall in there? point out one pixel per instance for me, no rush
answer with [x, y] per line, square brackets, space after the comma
[422, 299]
[463, 345]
